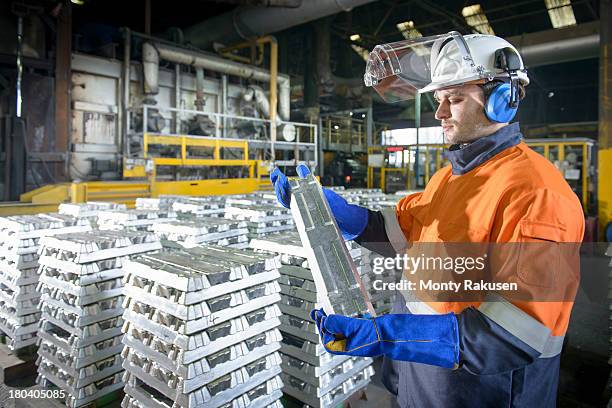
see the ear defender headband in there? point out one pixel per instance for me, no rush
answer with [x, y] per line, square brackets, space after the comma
[503, 101]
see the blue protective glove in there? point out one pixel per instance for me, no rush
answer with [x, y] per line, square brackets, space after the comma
[351, 219]
[428, 339]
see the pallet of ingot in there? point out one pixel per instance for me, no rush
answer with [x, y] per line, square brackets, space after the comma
[263, 390]
[323, 383]
[164, 202]
[260, 229]
[263, 218]
[89, 210]
[210, 207]
[82, 306]
[305, 393]
[304, 359]
[251, 199]
[202, 328]
[257, 212]
[134, 219]
[209, 231]
[198, 310]
[19, 244]
[83, 248]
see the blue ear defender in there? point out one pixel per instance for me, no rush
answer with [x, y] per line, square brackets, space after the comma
[499, 106]
[502, 103]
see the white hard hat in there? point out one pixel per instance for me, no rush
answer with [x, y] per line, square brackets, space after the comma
[397, 71]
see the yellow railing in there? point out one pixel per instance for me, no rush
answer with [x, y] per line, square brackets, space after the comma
[185, 159]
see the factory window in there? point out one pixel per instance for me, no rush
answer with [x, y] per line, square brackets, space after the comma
[476, 18]
[561, 13]
[408, 136]
[408, 30]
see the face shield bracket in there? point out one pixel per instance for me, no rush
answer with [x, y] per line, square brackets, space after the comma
[508, 60]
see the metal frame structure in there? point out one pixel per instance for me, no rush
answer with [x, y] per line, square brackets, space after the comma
[299, 145]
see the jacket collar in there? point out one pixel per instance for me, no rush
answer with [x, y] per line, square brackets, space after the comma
[464, 158]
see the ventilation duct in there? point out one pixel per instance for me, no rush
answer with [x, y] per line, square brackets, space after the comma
[559, 45]
[250, 22]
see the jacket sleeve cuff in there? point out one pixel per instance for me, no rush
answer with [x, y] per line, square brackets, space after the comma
[374, 236]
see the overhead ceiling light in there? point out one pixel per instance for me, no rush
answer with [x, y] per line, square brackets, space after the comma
[477, 19]
[561, 13]
[408, 30]
[78, 2]
[355, 37]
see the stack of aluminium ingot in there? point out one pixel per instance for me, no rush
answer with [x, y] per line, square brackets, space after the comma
[159, 203]
[89, 209]
[251, 199]
[372, 198]
[262, 218]
[210, 206]
[209, 231]
[201, 329]
[82, 293]
[135, 219]
[311, 375]
[19, 243]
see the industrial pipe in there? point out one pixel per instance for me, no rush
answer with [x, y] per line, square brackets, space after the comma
[213, 63]
[555, 52]
[150, 64]
[19, 65]
[199, 97]
[125, 100]
[250, 22]
[558, 45]
[256, 94]
[264, 3]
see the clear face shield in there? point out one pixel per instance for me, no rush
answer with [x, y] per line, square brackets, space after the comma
[400, 70]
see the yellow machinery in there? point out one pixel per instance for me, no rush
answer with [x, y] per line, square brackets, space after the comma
[604, 190]
[153, 176]
[393, 166]
[199, 153]
[575, 157]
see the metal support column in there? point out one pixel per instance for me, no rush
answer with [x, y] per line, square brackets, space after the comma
[125, 93]
[63, 47]
[224, 105]
[605, 71]
[17, 163]
[417, 124]
[604, 171]
[177, 98]
[369, 126]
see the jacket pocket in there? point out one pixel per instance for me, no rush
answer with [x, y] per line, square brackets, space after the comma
[539, 254]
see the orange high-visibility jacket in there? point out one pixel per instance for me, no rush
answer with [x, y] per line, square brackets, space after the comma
[516, 196]
[498, 191]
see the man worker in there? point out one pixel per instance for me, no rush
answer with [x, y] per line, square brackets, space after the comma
[500, 351]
